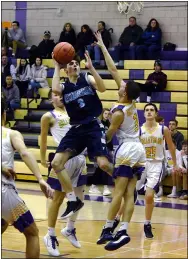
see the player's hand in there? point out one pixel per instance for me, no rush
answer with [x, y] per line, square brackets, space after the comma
[176, 169]
[46, 189]
[45, 163]
[9, 173]
[56, 64]
[98, 36]
[88, 64]
[155, 83]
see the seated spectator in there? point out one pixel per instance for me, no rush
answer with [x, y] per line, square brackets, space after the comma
[11, 93]
[129, 41]
[160, 120]
[4, 51]
[38, 76]
[16, 37]
[7, 69]
[46, 46]
[84, 38]
[99, 176]
[156, 81]
[184, 195]
[23, 74]
[176, 180]
[176, 135]
[68, 34]
[106, 37]
[151, 42]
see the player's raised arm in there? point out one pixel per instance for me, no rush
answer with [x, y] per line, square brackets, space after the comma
[45, 125]
[29, 159]
[95, 80]
[109, 62]
[116, 121]
[56, 87]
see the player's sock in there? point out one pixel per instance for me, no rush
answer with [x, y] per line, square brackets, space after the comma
[51, 231]
[147, 222]
[174, 189]
[70, 223]
[71, 196]
[124, 226]
[118, 217]
[109, 224]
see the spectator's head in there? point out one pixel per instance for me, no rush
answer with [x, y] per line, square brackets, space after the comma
[67, 27]
[3, 109]
[23, 62]
[153, 25]
[129, 91]
[38, 61]
[55, 99]
[150, 111]
[157, 66]
[47, 35]
[73, 67]
[184, 146]
[4, 60]
[9, 81]
[85, 28]
[105, 114]
[160, 120]
[3, 51]
[173, 124]
[15, 25]
[101, 26]
[132, 21]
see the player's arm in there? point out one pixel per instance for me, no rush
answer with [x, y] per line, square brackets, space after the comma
[116, 121]
[171, 146]
[45, 125]
[29, 159]
[95, 80]
[109, 62]
[56, 86]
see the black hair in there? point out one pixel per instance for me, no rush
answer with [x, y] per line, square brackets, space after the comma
[22, 68]
[103, 24]
[85, 26]
[50, 94]
[17, 23]
[149, 28]
[174, 121]
[151, 104]
[185, 142]
[40, 60]
[132, 90]
[132, 17]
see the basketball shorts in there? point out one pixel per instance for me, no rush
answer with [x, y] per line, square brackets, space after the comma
[14, 210]
[129, 160]
[76, 169]
[90, 136]
[151, 176]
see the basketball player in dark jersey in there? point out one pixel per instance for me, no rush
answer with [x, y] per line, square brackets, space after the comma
[84, 107]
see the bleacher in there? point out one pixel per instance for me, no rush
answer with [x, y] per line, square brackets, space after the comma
[172, 103]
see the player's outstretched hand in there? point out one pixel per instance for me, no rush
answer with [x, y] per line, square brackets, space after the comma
[99, 39]
[56, 64]
[46, 189]
[88, 64]
[9, 172]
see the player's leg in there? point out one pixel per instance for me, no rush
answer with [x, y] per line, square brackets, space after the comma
[149, 205]
[121, 238]
[50, 239]
[32, 241]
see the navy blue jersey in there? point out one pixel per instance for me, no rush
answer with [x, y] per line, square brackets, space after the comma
[81, 101]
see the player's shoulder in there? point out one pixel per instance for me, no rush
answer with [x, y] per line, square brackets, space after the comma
[15, 133]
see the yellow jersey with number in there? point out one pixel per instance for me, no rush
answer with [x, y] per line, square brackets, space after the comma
[129, 129]
[153, 141]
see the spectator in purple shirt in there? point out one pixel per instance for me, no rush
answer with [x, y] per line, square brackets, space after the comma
[156, 81]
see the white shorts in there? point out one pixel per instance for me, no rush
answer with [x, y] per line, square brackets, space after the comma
[77, 171]
[151, 176]
[127, 156]
[14, 210]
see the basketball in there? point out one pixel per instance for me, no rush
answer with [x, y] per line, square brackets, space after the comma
[63, 53]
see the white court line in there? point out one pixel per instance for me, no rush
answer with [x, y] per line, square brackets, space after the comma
[131, 248]
[170, 252]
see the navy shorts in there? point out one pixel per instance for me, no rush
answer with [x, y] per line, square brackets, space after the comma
[90, 136]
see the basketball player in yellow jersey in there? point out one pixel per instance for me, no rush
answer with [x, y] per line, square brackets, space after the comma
[129, 157]
[152, 136]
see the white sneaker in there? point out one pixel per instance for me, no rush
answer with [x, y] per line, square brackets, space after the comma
[94, 190]
[172, 195]
[157, 199]
[71, 236]
[138, 100]
[51, 244]
[106, 191]
[160, 192]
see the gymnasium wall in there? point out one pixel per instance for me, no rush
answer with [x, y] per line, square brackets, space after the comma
[41, 16]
